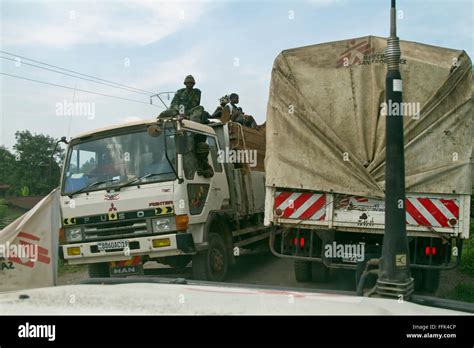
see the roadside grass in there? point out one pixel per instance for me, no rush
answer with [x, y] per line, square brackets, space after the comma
[463, 292]
[64, 268]
[467, 258]
[8, 214]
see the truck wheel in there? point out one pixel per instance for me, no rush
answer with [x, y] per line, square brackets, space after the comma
[99, 270]
[302, 271]
[319, 272]
[212, 264]
[431, 280]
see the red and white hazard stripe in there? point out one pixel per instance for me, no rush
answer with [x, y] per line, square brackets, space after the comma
[432, 212]
[300, 205]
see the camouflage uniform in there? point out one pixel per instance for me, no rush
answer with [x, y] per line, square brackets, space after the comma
[188, 101]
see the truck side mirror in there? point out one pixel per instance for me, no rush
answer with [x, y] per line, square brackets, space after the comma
[154, 130]
[182, 144]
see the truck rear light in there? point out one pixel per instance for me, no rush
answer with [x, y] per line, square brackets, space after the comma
[298, 242]
[182, 222]
[278, 212]
[430, 251]
[453, 221]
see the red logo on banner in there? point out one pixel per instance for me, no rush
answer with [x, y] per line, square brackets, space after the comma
[355, 54]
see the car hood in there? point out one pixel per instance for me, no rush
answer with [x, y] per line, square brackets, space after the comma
[177, 299]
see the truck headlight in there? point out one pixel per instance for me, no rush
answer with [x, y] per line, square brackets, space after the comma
[73, 234]
[164, 224]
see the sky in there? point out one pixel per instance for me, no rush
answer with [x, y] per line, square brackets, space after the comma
[228, 46]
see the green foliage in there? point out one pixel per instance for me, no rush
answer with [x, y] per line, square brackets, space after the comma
[24, 191]
[3, 209]
[29, 168]
[462, 292]
[467, 258]
[64, 268]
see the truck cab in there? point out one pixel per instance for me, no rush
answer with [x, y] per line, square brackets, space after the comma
[134, 192]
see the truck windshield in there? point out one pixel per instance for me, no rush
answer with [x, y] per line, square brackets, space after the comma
[115, 160]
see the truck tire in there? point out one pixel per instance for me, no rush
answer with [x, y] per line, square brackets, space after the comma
[99, 270]
[213, 263]
[302, 271]
[431, 279]
[319, 272]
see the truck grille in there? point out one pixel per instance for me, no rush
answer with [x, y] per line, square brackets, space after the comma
[115, 230]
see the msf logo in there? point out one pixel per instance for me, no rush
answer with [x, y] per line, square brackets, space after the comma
[354, 55]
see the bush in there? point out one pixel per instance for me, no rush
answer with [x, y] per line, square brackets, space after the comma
[467, 262]
[462, 292]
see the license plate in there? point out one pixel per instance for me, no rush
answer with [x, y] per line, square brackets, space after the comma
[113, 244]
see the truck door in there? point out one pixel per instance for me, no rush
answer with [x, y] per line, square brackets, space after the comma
[204, 194]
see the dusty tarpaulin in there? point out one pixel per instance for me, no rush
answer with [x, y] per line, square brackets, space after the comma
[325, 130]
[29, 247]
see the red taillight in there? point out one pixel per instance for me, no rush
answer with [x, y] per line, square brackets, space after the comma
[429, 252]
[299, 242]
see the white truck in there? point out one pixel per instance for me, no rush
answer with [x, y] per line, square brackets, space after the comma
[326, 150]
[133, 193]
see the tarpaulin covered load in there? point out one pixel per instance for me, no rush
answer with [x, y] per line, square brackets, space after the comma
[325, 130]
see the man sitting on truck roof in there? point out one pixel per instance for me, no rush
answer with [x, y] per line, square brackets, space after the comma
[223, 101]
[238, 115]
[235, 111]
[187, 101]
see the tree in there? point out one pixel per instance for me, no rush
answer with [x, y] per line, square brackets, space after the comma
[33, 166]
[7, 167]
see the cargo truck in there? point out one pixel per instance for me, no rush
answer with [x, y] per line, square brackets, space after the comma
[134, 193]
[325, 156]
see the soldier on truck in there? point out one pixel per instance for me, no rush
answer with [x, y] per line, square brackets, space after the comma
[187, 101]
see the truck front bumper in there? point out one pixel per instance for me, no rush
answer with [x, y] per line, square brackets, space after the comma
[179, 244]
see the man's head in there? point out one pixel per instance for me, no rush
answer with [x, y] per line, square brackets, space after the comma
[234, 98]
[224, 100]
[189, 82]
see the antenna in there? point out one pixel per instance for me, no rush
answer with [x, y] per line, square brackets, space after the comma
[394, 269]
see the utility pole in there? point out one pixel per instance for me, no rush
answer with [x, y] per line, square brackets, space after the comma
[394, 273]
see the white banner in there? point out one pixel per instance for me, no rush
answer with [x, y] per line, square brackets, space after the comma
[29, 247]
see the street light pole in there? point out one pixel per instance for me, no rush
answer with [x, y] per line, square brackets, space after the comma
[394, 273]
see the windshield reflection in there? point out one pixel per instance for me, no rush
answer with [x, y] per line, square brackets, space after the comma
[115, 160]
